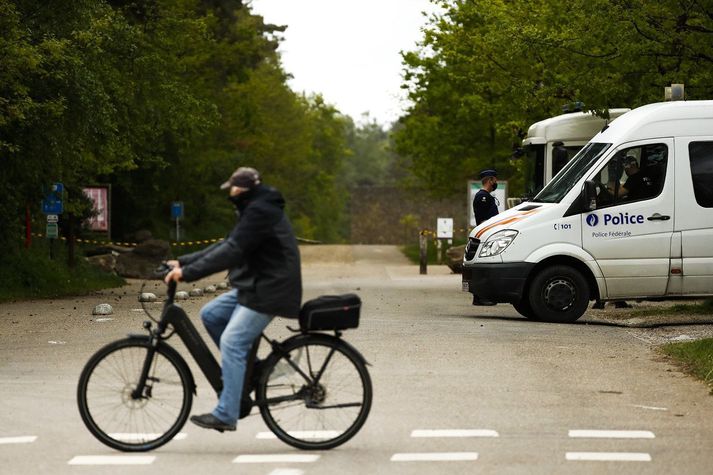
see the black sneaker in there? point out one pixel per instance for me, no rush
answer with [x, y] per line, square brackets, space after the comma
[209, 421]
[598, 305]
[621, 304]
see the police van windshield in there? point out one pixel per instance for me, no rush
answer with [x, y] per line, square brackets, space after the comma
[572, 172]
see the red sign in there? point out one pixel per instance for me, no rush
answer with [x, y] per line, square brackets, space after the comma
[100, 197]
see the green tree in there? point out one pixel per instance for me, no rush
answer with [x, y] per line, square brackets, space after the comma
[488, 68]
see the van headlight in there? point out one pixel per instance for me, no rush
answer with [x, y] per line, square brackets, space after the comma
[497, 243]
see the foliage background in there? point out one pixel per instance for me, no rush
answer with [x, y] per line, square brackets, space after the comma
[163, 100]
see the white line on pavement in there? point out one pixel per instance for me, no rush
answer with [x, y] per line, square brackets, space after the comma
[650, 408]
[112, 460]
[435, 457]
[609, 456]
[276, 458]
[287, 471]
[138, 437]
[24, 439]
[302, 434]
[612, 434]
[454, 433]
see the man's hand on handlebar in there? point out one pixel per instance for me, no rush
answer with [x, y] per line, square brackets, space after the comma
[171, 270]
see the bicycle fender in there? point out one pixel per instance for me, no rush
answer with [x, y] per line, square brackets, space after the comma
[324, 336]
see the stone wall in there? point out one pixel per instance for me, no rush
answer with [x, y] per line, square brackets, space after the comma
[389, 215]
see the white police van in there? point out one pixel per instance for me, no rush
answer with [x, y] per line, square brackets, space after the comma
[629, 217]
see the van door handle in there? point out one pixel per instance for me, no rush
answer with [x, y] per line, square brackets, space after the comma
[658, 217]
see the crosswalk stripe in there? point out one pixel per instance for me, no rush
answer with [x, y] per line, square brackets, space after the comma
[302, 434]
[138, 437]
[112, 460]
[25, 439]
[608, 456]
[612, 434]
[454, 433]
[276, 458]
[435, 457]
[287, 471]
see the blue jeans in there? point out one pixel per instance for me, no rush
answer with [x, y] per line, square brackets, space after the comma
[233, 328]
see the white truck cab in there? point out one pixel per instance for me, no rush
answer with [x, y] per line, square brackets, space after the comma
[629, 217]
[552, 142]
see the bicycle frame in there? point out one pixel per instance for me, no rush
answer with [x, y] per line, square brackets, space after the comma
[182, 325]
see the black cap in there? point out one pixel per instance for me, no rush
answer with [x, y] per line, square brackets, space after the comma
[488, 172]
[244, 177]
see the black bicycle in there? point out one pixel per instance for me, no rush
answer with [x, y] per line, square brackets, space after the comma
[313, 390]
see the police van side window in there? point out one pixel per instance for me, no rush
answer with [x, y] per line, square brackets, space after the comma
[701, 158]
[632, 174]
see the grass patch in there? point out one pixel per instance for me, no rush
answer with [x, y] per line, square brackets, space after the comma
[703, 308]
[413, 252]
[30, 274]
[695, 357]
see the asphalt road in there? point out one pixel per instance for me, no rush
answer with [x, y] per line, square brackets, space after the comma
[457, 388]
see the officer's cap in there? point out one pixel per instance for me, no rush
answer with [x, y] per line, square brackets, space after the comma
[488, 172]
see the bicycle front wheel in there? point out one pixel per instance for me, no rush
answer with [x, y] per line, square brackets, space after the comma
[316, 395]
[116, 414]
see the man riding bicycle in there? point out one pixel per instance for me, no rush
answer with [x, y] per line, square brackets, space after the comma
[263, 260]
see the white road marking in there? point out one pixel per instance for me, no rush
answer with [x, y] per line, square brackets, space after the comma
[435, 457]
[612, 434]
[302, 434]
[454, 433]
[57, 342]
[137, 437]
[24, 439]
[287, 471]
[112, 460]
[100, 320]
[651, 408]
[276, 458]
[608, 456]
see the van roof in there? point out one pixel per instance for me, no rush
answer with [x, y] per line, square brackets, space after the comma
[580, 126]
[661, 119]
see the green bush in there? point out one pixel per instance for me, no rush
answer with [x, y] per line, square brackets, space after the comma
[30, 273]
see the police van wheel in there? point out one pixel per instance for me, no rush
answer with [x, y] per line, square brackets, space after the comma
[559, 294]
[523, 308]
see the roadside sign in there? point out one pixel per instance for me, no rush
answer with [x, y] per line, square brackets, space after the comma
[444, 229]
[177, 210]
[52, 231]
[52, 203]
[52, 218]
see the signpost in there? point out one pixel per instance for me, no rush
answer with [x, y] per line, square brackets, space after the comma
[177, 214]
[444, 230]
[52, 206]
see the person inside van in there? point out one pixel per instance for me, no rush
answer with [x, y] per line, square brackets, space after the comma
[638, 185]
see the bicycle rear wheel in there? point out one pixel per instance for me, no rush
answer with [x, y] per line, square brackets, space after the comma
[126, 421]
[316, 395]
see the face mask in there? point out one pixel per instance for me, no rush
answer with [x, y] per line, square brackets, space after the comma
[495, 186]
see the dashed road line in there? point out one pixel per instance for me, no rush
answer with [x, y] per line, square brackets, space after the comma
[608, 456]
[435, 457]
[276, 458]
[304, 434]
[24, 439]
[454, 433]
[287, 471]
[138, 437]
[612, 434]
[112, 460]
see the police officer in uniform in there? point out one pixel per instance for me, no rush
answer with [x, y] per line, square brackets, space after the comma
[485, 205]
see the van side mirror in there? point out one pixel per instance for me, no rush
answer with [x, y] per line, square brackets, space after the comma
[589, 196]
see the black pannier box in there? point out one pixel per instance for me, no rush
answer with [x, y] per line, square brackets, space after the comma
[331, 312]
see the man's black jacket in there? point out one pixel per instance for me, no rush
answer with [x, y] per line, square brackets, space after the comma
[260, 253]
